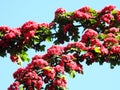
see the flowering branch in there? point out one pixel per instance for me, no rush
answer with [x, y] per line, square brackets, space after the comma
[100, 42]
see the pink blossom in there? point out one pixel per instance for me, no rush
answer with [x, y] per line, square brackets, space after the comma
[14, 86]
[81, 15]
[14, 58]
[72, 65]
[114, 30]
[10, 35]
[41, 63]
[89, 55]
[79, 45]
[67, 27]
[61, 82]
[118, 15]
[67, 58]
[109, 41]
[19, 74]
[79, 68]
[44, 25]
[49, 73]
[28, 77]
[37, 57]
[29, 35]
[107, 18]
[60, 11]
[89, 34]
[55, 50]
[84, 9]
[96, 42]
[115, 49]
[28, 26]
[108, 9]
[104, 51]
[59, 68]
[110, 35]
[17, 31]
[46, 56]
[5, 28]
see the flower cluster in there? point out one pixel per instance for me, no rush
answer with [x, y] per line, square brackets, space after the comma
[17, 40]
[29, 78]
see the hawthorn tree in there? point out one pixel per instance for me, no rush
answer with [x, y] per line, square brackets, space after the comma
[100, 42]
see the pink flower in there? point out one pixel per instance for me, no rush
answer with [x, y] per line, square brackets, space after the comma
[39, 84]
[110, 41]
[84, 9]
[17, 31]
[19, 74]
[14, 58]
[44, 25]
[79, 45]
[14, 86]
[60, 11]
[30, 25]
[29, 35]
[107, 18]
[89, 55]
[10, 35]
[81, 15]
[5, 28]
[61, 82]
[110, 35]
[79, 68]
[114, 30]
[118, 15]
[50, 73]
[41, 63]
[32, 79]
[59, 68]
[55, 50]
[89, 34]
[37, 57]
[96, 42]
[28, 78]
[108, 9]
[72, 65]
[67, 27]
[104, 51]
[46, 56]
[67, 58]
[115, 49]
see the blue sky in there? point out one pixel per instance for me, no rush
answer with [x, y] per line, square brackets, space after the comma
[14, 13]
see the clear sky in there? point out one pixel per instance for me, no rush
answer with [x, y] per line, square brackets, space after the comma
[14, 13]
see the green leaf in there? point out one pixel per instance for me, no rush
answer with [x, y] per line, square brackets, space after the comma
[1, 34]
[72, 73]
[114, 11]
[48, 39]
[24, 56]
[102, 36]
[117, 37]
[62, 76]
[97, 50]
[48, 68]
[92, 21]
[21, 87]
[60, 88]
